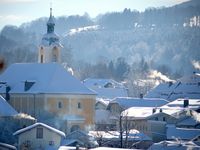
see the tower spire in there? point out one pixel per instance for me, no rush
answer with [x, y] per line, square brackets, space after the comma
[50, 23]
[50, 9]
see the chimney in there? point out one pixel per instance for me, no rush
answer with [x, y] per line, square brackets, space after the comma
[141, 95]
[153, 110]
[170, 83]
[7, 93]
[160, 109]
[185, 103]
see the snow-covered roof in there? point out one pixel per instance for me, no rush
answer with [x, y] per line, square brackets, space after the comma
[174, 145]
[41, 78]
[133, 134]
[192, 103]
[106, 88]
[188, 86]
[102, 83]
[110, 148]
[189, 121]
[181, 133]
[144, 112]
[39, 124]
[127, 102]
[103, 101]
[8, 146]
[50, 39]
[6, 109]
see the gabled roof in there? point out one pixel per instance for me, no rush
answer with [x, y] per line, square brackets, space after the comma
[46, 78]
[102, 83]
[192, 103]
[6, 109]
[39, 124]
[188, 86]
[127, 102]
[8, 146]
[147, 112]
[106, 88]
[181, 133]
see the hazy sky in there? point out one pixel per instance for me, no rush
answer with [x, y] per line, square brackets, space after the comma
[15, 12]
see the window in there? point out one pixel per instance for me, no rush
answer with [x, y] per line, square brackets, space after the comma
[79, 105]
[39, 133]
[51, 142]
[41, 59]
[164, 119]
[59, 105]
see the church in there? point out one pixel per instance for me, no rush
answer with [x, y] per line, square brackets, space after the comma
[46, 91]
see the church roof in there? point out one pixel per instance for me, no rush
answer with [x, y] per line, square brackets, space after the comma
[41, 78]
[5, 108]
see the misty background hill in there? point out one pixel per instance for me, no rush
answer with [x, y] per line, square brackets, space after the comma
[119, 45]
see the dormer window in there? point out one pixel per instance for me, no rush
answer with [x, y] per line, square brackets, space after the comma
[28, 85]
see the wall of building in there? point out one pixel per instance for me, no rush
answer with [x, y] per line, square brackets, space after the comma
[45, 106]
[32, 104]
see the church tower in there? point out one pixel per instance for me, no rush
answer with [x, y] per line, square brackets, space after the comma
[50, 47]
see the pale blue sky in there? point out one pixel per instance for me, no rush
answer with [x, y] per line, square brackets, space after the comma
[15, 12]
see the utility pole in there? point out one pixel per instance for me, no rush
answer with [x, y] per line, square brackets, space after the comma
[121, 132]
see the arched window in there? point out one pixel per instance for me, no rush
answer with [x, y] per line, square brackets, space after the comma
[59, 105]
[79, 105]
[41, 58]
[54, 54]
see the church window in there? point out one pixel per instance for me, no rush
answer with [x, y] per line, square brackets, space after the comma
[54, 59]
[41, 59]
[39, 133]
[59, 105]
[79, 105]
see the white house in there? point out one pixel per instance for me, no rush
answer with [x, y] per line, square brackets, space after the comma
[39, 136]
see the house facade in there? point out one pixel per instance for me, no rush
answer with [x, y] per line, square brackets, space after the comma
[39, 136]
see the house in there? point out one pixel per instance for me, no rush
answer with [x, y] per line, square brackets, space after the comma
[119, 104]
[80, 138]
[101, 103]
[39, 136]
[106, 88]
[148, 120]
[46, 91]
[188, 86]
[4, 146]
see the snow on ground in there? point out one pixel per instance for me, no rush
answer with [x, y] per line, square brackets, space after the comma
[82, 29]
